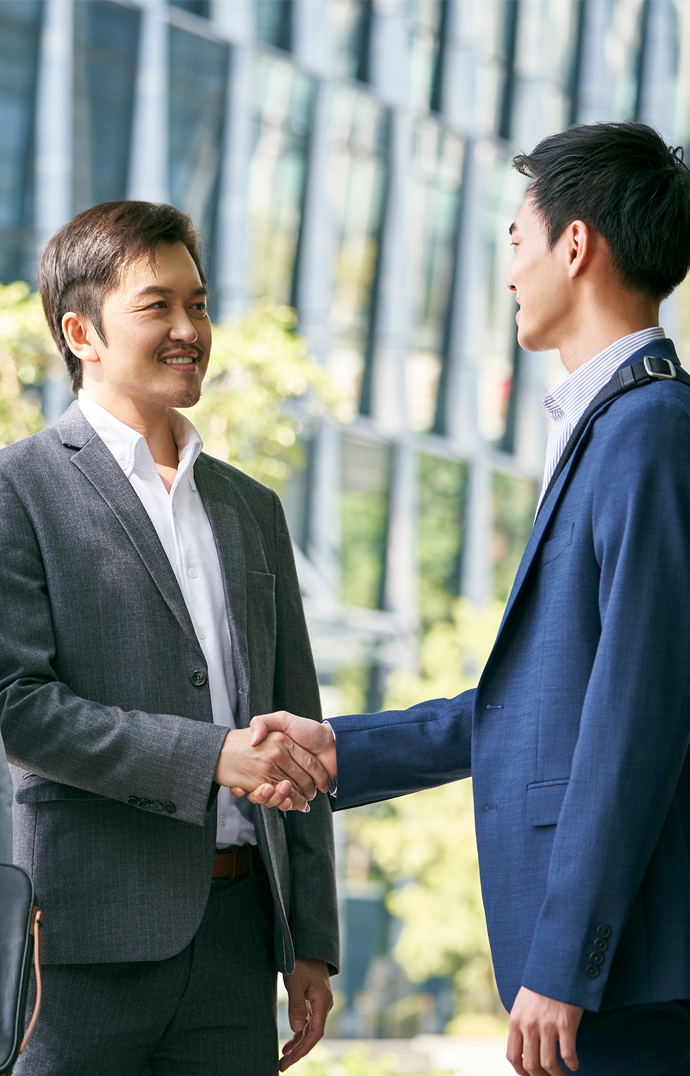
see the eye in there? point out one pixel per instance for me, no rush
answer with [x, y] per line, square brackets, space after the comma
[200, 307]
[160, 304]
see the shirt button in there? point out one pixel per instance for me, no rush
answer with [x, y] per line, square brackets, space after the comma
[123, 464]
[192, 573]
[201, 633]
[223, 820]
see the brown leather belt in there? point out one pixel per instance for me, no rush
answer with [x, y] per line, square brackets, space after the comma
[231, 863]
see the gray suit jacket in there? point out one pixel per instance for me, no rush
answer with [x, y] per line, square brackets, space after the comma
[101, 704]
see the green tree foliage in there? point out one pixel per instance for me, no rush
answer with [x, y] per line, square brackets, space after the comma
[424, 844]
[514, 504]
[27, 357]
[356, 1062]
[442, 488]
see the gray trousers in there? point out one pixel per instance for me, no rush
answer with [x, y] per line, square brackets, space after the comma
[209, 1011]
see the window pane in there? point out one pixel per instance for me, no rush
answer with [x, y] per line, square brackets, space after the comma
[441, 491]
[283, 102]
[197, 89]
[352, 25]
[359, 133]
[514, 505]
[19, 42]
[503, 191]
[274, 22]
[427, 30]
[366, 473]
[105, 65]
[196, 7]
[435, 206]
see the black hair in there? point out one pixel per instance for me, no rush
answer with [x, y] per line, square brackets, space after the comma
[624, 181]
[84, 261]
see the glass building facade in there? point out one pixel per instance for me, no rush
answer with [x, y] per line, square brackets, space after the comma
[351, 158]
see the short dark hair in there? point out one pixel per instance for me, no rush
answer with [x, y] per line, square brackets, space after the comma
[624, 181]
[84, 261]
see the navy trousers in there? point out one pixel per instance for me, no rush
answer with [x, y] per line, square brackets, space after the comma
[209, 1011]
[641, 1040]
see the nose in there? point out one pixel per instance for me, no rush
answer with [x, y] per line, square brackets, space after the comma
[183, 329]
[510, 286]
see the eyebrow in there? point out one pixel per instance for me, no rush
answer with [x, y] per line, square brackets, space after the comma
[154, 289]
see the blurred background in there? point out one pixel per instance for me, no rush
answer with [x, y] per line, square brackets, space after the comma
[348, 162]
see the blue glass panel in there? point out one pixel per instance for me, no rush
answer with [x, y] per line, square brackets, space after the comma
[436, 185]
[352, 24]
[359, 129]
[197, 89]
[283, 101]
[196, 7]
[20, 22]
[274, 22]
[106, 39]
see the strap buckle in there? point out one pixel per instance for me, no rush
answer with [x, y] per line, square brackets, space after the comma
[670, 376]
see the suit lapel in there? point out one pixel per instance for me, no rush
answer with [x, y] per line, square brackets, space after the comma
[221, 507]
[99, 467]
[663, 348]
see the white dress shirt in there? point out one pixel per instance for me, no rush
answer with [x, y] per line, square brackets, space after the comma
[181, 523]
[568, 402]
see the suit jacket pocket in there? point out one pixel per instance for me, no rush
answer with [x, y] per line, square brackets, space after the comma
[555, 546]
[544, 801]
[261, 580]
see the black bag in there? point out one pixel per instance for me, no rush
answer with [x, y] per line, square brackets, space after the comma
[20, 941]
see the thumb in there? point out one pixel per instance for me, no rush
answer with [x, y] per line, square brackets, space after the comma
[259, 731]
[298, 1013]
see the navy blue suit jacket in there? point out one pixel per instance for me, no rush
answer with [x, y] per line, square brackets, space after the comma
[577, 735]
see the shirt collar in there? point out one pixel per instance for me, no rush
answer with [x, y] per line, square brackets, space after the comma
[571, 398]
[130, 448]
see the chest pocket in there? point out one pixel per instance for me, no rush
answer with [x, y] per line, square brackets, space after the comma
[262, 581]
[556, 546]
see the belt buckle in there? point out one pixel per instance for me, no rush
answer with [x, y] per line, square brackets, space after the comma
[671, 376]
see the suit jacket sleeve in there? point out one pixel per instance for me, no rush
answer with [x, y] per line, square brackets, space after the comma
[314, 903]
[635, 725]
[52, 732]
[401, 751]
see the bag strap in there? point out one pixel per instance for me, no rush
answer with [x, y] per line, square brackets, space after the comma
[648, 369]
[35, 929]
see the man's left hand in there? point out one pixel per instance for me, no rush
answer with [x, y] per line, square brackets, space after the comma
[310, 1001]
[538, 1025]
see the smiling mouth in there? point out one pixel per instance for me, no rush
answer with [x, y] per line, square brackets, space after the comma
[185, 360]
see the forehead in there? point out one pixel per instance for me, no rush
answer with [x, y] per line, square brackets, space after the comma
[172, 266]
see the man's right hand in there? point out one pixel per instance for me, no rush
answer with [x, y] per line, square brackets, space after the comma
[315, 737]
[264, 770]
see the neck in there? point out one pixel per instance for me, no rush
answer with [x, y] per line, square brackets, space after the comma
[594, 329]
[151, 421]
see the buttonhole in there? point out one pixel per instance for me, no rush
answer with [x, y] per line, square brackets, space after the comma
[497, 707]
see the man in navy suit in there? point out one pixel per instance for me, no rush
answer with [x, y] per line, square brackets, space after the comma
[577, 735]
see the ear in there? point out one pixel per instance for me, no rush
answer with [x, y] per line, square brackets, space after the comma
[579, 246]
[80, 334]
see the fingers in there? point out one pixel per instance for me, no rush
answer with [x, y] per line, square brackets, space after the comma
[312, 766]
[282, 796]
[514, 1051]
[568, 1051]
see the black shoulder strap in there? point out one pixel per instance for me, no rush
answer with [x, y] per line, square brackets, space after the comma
[650, 368]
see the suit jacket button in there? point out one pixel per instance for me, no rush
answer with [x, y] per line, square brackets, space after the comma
[591, 972]
[170, 808]
[198, 678]
[597, 959]
[601, 945]
[134, 800]
[604, 930]
[144, 803]
[156, 805]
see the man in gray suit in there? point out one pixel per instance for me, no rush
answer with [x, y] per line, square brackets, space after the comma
[150, 607]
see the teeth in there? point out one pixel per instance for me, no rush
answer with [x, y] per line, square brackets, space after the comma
[177, 362]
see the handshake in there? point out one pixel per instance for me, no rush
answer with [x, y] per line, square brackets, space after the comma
[279, 761]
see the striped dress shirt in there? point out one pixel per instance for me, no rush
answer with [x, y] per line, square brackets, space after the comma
[568, 402]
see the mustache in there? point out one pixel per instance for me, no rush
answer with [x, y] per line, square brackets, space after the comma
[163, 351]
